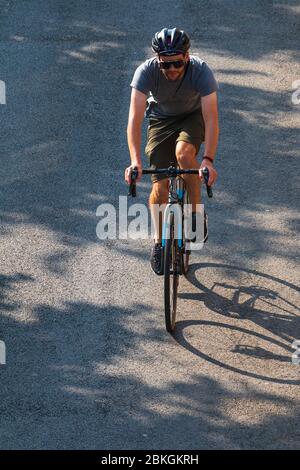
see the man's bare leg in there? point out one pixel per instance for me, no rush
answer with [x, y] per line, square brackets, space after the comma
[186, 158]
[159, 195]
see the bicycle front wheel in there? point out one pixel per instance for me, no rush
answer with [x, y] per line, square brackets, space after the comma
[186, 253]
[171, 278]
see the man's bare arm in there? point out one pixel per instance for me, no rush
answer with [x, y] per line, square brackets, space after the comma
[134, 128]
[210, 116]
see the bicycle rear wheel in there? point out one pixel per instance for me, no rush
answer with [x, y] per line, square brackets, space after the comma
[186, 261]
[171, 277]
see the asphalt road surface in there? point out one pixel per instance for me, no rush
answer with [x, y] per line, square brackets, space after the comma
[89, 364]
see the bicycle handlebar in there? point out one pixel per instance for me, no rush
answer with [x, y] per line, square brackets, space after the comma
[172, 172]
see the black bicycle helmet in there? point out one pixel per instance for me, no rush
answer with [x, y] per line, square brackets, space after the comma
[170, 42]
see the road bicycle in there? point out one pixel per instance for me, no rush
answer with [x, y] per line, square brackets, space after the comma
[175, 241]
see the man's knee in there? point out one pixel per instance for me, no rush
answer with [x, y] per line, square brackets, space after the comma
[185, 153]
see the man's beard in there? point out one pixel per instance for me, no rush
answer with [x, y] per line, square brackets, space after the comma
[173, 76]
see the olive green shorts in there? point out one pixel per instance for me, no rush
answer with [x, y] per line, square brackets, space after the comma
[163, 135]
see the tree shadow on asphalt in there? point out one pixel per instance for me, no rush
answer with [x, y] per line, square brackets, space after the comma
[75, 388]
[249, 31]
[56, 176]
[8, 284]
[62, 386]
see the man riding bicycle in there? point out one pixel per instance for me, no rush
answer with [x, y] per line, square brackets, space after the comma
[178, 92]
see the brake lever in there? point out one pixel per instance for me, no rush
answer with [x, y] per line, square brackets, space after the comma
[205, 173]
[132, 185]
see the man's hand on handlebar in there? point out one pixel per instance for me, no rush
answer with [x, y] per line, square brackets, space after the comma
[129, 170]
[212, 172]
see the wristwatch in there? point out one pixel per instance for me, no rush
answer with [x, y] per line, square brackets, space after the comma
[208, 158]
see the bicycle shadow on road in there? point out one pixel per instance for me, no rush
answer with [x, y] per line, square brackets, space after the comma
[283, 324]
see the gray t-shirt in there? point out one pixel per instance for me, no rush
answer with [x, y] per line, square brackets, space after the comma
[168, 98]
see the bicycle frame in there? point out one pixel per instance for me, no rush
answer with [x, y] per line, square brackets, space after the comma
[175, 204]
[175, 197]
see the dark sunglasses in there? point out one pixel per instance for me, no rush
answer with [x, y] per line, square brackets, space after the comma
[176, 63]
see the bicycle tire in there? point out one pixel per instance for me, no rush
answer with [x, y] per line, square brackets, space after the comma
[186, 262]
[171, 278]
[186, 253]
